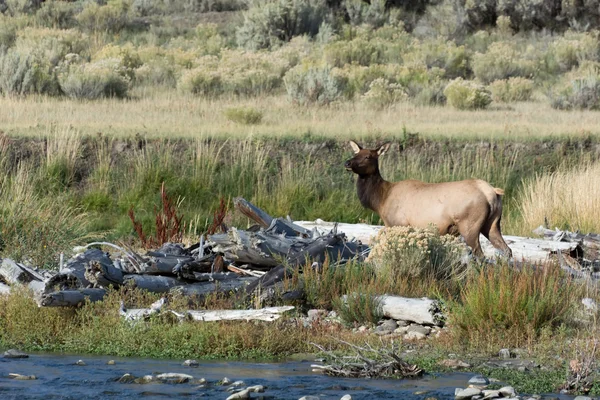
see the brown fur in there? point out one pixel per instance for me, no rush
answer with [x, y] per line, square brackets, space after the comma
[468, 207]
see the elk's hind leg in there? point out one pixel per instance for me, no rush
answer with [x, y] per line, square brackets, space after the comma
[471, 235]
[492, 231]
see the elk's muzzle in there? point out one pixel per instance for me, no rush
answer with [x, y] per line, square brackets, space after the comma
[348, 165]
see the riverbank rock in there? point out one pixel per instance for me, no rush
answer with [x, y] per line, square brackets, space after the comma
[386, 326]
[13, 353]
[504, 354]
[454, 364]
[507, 391]
[465, 394]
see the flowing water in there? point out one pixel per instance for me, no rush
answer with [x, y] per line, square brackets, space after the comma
[59, 378]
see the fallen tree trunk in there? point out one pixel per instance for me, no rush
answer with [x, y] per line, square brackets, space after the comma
[103, 274]
[71, 298]
[422, 311]
[206, 288]
[533, 250]
[4, 288]
[263, 314]
[152, 283]
[589, 240]
[13, 272]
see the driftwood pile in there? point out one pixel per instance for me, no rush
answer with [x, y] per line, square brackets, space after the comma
[257, 259]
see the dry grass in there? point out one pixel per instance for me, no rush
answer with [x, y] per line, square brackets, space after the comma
[566, 198]
[164, 114]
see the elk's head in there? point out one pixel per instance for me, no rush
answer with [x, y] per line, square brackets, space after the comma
[365, 161]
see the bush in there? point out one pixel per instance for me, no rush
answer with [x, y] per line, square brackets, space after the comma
[581, 93]
[127, 56]
[110, 18]
[428, 93]
[23, 73]
[501, 61]
[156, 73]
[94, 80]
[201, 82]
[360, 12]
[15, 7]
[270, 22]
[8, 31]
[467, 95]
[382, 93]
[244, 116]
[403, 252]
[359, 51]
[57, 14]
[313, 85]
[52, 44]
[512, 89]
[570, 50]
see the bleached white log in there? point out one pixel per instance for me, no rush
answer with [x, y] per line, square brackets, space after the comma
[263, 314]
[423, 311]
[533, 250]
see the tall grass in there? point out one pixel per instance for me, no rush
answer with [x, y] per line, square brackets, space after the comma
[503, 306]
[567, 199]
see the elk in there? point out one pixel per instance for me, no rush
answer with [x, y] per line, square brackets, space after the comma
[468, 207]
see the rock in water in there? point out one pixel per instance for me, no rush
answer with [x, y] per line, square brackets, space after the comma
[243, 394]
[346, 397]
[127, 378]
[20, 377]
[479, 380]
[309, 398]
[507, 391]
[13, 353]
[110, 362]
[172, 377]
[81, 363]
[191, 363]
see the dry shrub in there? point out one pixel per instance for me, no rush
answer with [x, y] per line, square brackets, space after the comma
[406, 252]
[566, 198]
[511, 89]
[467, 95]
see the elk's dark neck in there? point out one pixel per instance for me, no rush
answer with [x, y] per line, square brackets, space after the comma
[372, 190]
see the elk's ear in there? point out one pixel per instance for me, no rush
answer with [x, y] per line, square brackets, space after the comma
[383, 148]
[355, 146]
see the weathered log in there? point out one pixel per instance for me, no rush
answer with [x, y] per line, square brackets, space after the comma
[101, 274]
[205, 288]
[13, 272]
[533, 250]
[63, 281]
[164, 265]
[251, 211]
[263, 314]
[423, 311]
[589, 240]
[258, 248]
[217, 276]
[151, 283]
[272, 225]
[188, 269]
[71, 298]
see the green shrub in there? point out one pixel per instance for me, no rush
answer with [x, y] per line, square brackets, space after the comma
[110, 18]
[361, 12]
[271, 22]
[57, 14]
[94, 80]
[401, 252]
[23, 73]
[427, 93]
[244, 116]
[501, 61]
[313, 85]
[128, 58]
[382, 93]
[581, 93]
[441, 54]
[467, 95]
[512, 89]
[156, 73]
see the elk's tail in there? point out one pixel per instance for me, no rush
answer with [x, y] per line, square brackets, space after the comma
[499, 192]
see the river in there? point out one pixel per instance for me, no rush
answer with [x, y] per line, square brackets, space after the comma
[59, 378]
